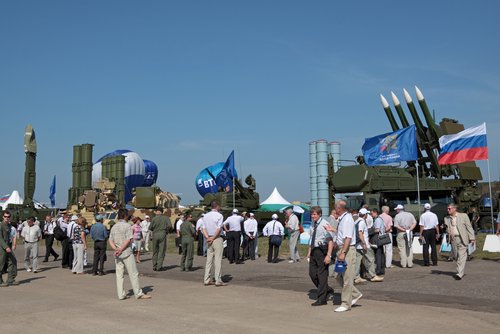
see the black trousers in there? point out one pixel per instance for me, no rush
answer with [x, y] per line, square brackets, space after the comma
[233, 246]
[65, 253]
[99, 256]
[49, 241]
[318, 272]
[272, 253]
[380, 261]
[430, 240]
[250, 248]
[199, 249]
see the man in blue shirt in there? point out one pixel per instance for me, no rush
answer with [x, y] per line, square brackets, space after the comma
[99, 234]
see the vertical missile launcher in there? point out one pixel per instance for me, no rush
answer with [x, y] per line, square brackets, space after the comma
[391, 185]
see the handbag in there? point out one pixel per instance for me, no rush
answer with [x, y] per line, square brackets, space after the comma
[381, 240]
[445, 245]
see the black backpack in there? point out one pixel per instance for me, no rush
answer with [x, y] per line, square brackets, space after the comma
[59, 234]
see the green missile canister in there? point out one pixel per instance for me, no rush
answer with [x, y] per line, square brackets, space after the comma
[428, 118]
[388, 112]
[399, 109]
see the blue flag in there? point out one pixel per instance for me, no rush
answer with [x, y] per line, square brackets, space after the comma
[224, 179]
[52, 194]
[395, 146]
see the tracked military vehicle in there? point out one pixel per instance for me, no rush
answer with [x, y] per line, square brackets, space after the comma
[391, 185]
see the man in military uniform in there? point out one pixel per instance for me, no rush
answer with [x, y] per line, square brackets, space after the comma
[187, 233]
[160, 226]
[319, 255]
[7, 255]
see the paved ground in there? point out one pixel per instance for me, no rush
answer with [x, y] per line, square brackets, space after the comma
[260, 297]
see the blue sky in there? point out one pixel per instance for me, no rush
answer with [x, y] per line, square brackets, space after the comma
[185, 82]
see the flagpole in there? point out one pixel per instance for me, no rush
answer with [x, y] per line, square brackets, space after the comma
[491, 198]
[418, 190]
[234, 204]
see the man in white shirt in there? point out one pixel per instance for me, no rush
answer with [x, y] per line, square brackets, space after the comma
[405, 223]
[346, 251]
[363, 250]
[429, 234]
[232, 226]
[274, 230]
[250, 226]
[212, 226]
[293, 228]
[31, 234]
[48, 231]
[146, 233]
[202, 243]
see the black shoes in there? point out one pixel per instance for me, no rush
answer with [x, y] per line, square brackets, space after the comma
[318, 303]
[456, 277]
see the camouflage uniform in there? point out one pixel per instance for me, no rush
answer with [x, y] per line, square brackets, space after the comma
[7, 259]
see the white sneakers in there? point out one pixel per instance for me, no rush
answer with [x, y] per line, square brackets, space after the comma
[359, 280]
[355, 300]
[28, 270]
[341, 309]
[291, 261]
[377, 279]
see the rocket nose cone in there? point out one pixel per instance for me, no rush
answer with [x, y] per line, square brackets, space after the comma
[420, 96]
[395, 99]
[407, 96]
[384, 101]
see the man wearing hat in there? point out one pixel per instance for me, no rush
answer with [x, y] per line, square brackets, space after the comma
[250, 226]
[232, 226]
[273, 228]
[99, 234]
[405, 223]
[429, 234]
[202, 243]
[146, 233]
[69, 233]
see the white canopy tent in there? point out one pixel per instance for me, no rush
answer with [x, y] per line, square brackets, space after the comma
[14, 198]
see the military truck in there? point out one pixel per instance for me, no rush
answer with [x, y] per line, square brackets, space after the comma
[391, 185]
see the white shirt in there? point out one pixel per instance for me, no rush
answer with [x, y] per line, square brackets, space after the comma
[70, 229]
[178, 225]
[369, 221]
[31, 233]
[145, 226]
[346, 229]
[250, 226]
[362, 228]
[274, 227]
[234, 222]
[199, 224]
[428, 220]
[49, 227]
[212, 221]
[293, 223]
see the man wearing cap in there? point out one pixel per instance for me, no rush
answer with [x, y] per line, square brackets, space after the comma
[346, 251]
[364, 252]
[429, 234]
[462, 235]
[292, 225]
[212, 227]
[274, 227]
[146, 233]
[232, 226]
[159, 226]
[99, 234]
[319, 256]
[120, 240]
[405, 223]
[250, 226]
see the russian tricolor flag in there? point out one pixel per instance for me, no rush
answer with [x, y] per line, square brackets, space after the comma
[467, 145]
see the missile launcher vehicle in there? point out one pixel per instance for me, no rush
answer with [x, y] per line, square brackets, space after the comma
[391, 185]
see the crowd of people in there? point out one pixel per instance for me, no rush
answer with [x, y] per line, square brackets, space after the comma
[357, 243]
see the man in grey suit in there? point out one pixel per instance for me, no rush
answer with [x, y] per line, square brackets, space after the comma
[461, 234]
